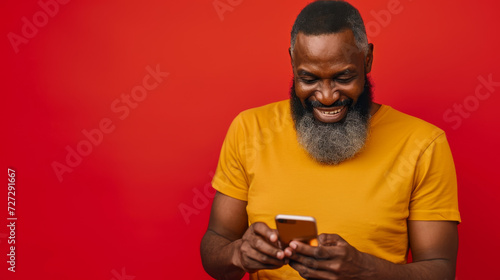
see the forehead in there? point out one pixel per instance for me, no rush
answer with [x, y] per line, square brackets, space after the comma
[329, 49]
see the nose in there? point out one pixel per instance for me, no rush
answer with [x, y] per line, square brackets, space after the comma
[327, 92]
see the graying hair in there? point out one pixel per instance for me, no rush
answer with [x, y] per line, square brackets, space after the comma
[333, 144]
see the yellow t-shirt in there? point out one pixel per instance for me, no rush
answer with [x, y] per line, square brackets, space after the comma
[405, 172]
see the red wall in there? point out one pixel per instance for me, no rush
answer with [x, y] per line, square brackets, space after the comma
[115, 212]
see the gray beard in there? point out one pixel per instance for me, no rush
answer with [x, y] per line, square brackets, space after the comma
[333, 143]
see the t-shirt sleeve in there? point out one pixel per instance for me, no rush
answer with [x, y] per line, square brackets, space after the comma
[230, 177]
[434, 196]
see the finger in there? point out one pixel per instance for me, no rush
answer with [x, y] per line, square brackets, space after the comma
[331, 265]
[256, 259]
[251, 265]
[263, 230]
[271, 235]
[320, 252]
[309, 272]
[256, 237]
[264, 247]
[330, 239]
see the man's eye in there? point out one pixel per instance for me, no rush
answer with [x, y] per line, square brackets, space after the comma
[344, 80]
[308, 80]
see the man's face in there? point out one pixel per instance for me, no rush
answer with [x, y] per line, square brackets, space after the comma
[329, 73]
[330, 96]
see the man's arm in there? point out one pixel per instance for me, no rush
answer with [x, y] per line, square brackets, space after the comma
[230, 248]
[434, 246]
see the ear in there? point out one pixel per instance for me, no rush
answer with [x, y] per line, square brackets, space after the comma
[369, 59]
[290, 54]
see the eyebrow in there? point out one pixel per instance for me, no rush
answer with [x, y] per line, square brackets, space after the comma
[305, 73]
[343, 72]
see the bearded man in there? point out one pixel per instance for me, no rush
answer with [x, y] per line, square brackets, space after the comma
[378, 182]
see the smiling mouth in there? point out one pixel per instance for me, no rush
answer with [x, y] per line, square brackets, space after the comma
[330, 115]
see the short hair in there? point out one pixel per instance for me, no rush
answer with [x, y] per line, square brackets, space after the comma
[326, 17]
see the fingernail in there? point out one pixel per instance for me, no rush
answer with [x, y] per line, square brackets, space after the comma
[280, 255]
[273, 237]
[293, 245]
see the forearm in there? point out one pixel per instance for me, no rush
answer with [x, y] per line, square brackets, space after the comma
[438, 269]
[217, 255]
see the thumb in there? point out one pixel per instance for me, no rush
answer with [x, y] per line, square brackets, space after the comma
[330, 239]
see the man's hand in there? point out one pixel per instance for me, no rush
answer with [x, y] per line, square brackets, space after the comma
[230, 248]
[334, 258]
[259, 249]
[434, 247]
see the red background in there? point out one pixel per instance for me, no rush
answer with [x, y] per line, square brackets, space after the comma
[117, 214]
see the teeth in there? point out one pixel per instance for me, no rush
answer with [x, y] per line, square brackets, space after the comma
[331, 112]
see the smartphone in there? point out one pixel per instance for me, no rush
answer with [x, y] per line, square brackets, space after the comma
[292, 227]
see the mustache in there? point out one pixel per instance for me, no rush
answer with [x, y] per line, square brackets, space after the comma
[317, 104]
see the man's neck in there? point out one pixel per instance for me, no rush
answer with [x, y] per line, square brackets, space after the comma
[374, 108]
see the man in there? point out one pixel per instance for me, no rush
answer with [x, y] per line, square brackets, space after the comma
[377, 181]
